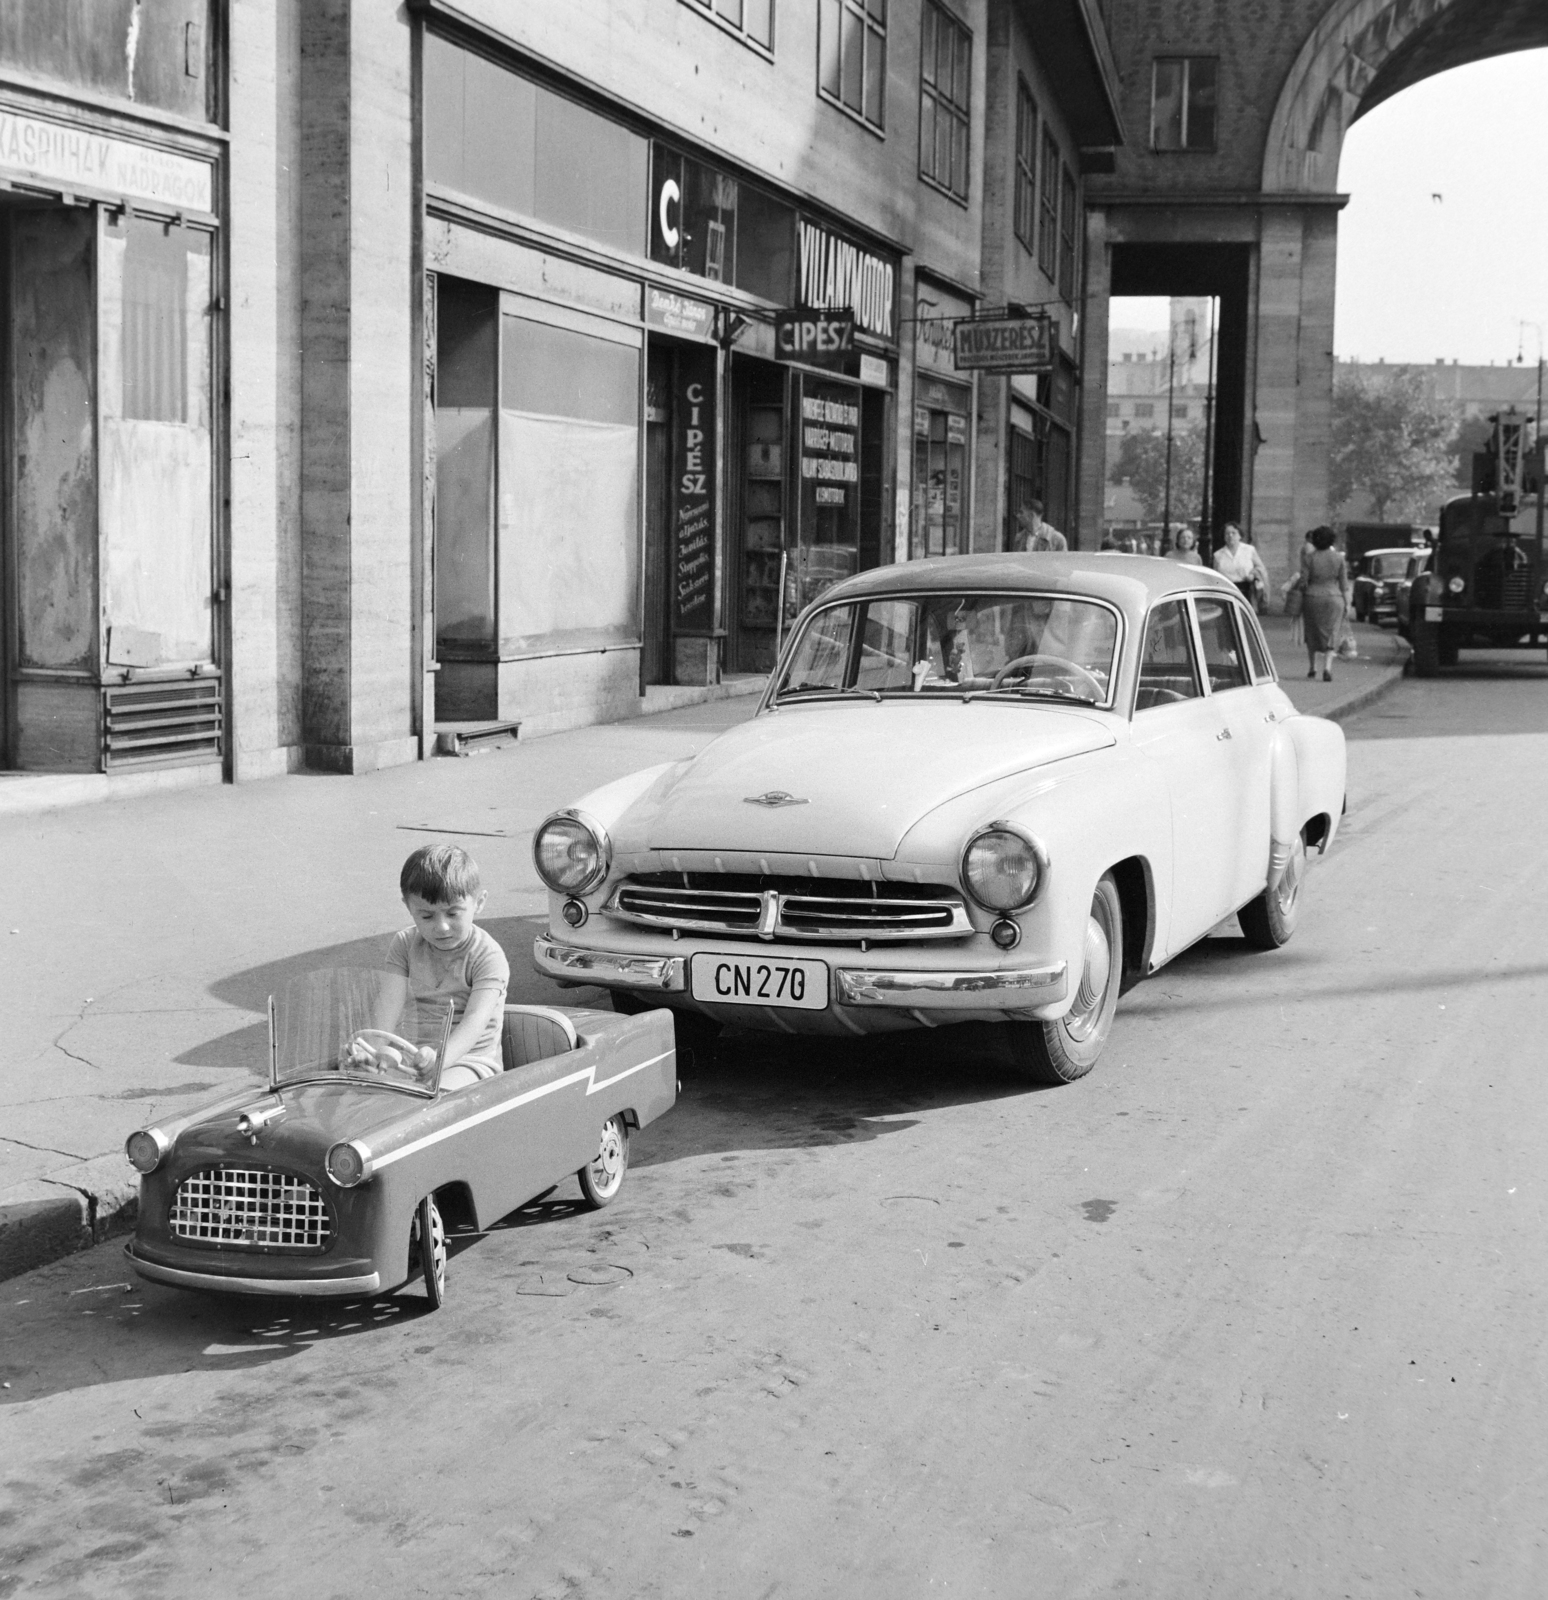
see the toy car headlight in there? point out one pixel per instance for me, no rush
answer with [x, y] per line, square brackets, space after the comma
[147, 1149]
[1003, 868]
[571, 853]
[347, 1165]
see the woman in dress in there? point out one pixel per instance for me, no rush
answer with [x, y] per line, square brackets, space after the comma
[1325, 580]
[1186, 548]
[1241, 563]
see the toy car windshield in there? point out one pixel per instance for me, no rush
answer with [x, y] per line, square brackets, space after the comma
[359, 1025]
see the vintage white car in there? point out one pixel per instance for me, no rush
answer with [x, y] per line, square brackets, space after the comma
[986, 788]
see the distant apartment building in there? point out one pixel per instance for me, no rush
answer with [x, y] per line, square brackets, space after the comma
[1472, 390]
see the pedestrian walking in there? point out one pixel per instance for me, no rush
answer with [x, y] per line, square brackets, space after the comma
[1032, 533]
[1185, 548]
[1242, 564]
[1325, 582]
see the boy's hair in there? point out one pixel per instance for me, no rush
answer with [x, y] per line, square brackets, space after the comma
[440, 873]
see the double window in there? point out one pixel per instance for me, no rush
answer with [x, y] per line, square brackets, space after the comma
[750, 20]
[852, 57]
[945, 78]
[1048, 222]
[1067, 214]
[1183, 100]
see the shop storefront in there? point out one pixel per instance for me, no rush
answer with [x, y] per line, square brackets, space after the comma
[618, 490]
[110, 564]
[1040, 447]
[940, 520]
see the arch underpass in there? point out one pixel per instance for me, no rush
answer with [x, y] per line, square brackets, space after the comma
[1255, 223]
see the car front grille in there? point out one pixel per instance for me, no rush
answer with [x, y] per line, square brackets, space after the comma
[826, 910]
[250, 1206]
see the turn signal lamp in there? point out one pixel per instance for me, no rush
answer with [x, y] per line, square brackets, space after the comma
[346, 1165]
[571, 853]
[146, 1150]
[1003, 868]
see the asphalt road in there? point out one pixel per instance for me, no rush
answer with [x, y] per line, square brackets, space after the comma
[1256, 1310]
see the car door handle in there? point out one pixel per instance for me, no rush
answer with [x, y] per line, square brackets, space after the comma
[1225, 733]
[1269, 716]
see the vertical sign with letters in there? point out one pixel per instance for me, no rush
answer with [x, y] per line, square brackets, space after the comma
[693, 528]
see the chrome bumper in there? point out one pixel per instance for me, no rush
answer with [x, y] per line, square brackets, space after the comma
[1013, 990]
[571, 964]
[912, 989]
[224, 1283]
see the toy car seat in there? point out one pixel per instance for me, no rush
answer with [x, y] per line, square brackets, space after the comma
[534, 1033]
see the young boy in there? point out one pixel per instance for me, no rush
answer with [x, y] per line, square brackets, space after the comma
[445, 957]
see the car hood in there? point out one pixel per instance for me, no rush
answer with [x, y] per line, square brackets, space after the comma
[317, 1116]
[857, 776]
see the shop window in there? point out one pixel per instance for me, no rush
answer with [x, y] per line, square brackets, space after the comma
[826, 547]
[706, 222]
[1048, 224]
[569, 487]
[750, 20]
[852, 57]
[500, 138]
[155, 325]
[1069, 211]
[1183, 99]
[1026, 166]
[945, 78]
[467, 357]
[940, 478]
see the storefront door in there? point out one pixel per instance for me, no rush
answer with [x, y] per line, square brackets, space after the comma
[941, 417]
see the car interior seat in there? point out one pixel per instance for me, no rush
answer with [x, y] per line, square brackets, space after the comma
[534, 1033]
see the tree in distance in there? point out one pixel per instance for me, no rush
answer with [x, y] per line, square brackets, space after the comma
[1393, 443]
[1141, 459]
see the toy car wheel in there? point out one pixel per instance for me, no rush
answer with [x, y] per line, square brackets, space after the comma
[1068, 1048]
[429, 1261]
[602, 1177]
[1268, 921]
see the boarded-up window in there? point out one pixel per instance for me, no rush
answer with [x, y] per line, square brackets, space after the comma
[155, 323]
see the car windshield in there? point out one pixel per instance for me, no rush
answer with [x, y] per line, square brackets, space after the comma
[1024, 646]
[1390, 566]
[356, 1024]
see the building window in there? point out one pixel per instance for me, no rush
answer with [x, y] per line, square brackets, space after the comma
[752, 20]
[945, 71]
[1048, 225]
[1183, 102]
[1026, 166]
[1114, 409]
[1068, 207]
[1181, 412]
[1144, 408]
[852, 57]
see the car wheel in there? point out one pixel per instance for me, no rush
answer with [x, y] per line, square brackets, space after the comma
[1268, 921]
[429, 1262]
[1067, 1049]
[1445, 650]
[602, 1177]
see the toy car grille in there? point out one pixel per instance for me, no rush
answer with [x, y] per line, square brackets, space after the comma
[831, 910]
[250, 1206]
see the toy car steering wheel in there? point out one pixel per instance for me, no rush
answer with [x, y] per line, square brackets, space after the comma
[1029, 666]
[377, 1050]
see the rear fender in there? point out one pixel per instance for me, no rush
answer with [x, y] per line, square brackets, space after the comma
[1307, 764]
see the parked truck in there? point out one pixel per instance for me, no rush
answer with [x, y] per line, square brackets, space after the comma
[1487, 585]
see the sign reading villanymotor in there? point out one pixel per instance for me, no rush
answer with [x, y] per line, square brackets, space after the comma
[836, 273]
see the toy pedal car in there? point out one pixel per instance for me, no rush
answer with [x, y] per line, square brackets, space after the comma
[325, 1184]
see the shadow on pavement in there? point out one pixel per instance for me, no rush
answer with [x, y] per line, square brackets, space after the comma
[1488, 694]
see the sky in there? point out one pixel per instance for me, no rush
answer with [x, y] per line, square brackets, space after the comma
[1422, 278]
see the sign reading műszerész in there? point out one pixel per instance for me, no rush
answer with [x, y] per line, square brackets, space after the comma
[1003, 344]
[815, 337]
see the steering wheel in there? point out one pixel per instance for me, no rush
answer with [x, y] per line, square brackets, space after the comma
[1029, 666]
[377, 1050]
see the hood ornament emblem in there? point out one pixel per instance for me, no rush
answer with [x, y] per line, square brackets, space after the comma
[773, 799]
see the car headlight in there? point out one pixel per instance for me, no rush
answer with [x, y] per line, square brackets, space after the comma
[346, 1165]
[1456, 583]
[1003, 868]
[571, 853]
[147, 1149]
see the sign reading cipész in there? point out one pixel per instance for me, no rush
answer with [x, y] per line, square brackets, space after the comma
[1003, 344]
[816, 337]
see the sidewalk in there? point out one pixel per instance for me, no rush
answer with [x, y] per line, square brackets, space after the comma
[142, 937]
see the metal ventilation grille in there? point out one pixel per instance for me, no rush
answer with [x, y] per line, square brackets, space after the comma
[250, 1206]
[146, 724]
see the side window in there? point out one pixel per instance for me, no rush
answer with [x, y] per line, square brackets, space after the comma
[887, 645]
[1168, 672]
[1257, 650]
[1224, 659]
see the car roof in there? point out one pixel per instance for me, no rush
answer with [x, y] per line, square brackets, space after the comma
[1130, 582]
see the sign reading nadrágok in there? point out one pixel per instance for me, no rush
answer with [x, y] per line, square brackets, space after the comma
[1003, 344]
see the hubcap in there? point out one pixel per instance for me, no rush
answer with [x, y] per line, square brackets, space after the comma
[1290, 884]
[607, 1164]
[1094, 977]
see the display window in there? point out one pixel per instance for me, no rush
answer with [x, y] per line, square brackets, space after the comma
[941, 423]
[826, 543]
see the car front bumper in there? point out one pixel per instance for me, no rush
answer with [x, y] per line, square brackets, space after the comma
[231, 1283]
[908, 989]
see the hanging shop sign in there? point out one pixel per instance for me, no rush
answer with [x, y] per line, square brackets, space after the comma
[819, 338]
[693, 526]
[59, 156]
[835, 272]
[1003, 344]
[677, 313]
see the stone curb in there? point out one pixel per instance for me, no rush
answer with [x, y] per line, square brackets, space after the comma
[1358, 699]
[80, 1206]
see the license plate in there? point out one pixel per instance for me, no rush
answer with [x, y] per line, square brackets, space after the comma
[1433, 613]
[761, 981]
